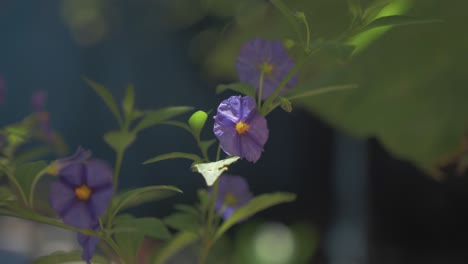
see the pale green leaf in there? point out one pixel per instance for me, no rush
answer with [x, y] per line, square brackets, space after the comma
[180, 241]
[146, 226]
[397, 20]
[212, 170]
[182, 221]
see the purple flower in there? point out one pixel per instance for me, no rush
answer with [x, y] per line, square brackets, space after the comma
[79, 156]
[83, 193]
[241, 130]
[88, 243]
[233, 193]
[269, 57]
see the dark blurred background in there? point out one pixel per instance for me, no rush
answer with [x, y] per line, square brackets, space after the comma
[374, 170]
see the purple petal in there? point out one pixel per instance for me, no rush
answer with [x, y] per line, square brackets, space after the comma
[61, 196]
[79, 156]
[88, 243]
[38, 100]
[250, 148]
[100, 200]
[79, 215]
[73, 174]
[227, 212]
[98, 174]
[230, 109]
[228, 139]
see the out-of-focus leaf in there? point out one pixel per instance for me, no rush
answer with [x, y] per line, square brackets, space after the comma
[182, 221]
[285, 104]
[146, 226]
[156, 117]
[174, 155]
[242, 88]
[128, 102]
[26, 174]
[68, 257]
[107, 97]
[288, 15]
[257, 204]
[142, 195]
[181, 240]
[397, 21]
[119, 140]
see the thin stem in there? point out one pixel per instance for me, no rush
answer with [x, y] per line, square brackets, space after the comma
[34, 183]
[13, 180]
[307, 34]
[118, 165]
[218, 152]
[260, 90]
[207, 240]
[115, 247]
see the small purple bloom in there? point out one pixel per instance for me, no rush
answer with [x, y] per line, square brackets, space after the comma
[83, 192]
[269, 57]
[88, 243]
[79, 156]
[240, 129]
[233, 193]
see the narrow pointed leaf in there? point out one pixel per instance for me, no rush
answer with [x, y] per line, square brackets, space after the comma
[397, 20]
[156, 117]
[182, 221]
[146, 226]
[255, 205]
[119, 140]
[128, 102]
[180, 241]
[174, 155]
[107, 97]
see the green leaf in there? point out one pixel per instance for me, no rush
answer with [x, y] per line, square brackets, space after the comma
[187, 209]
[257, 204]
[27, 174]
[181, 240]
[129, 244]
[242, 88]
[338, 50]
[135, 197]
[212, 170]
[285, 104]
[119, 140]
[128, 102]
[156, 117]
[197, 121]
[107, 97]
[288, 15]
[355, 9]
[184, 222]
[174, 155]
[206, 144]
[397, 20]
[374, 9]
[317, 91]
[146, 226]
[66, 257]
[6, 195]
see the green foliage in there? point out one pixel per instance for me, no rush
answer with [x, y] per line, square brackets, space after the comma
[146, 226]
[397, 20]
[184, 221]
[174, 155]
[285, 104]
[66, 257]
[128, 103]
[212, 170]
[242, 88]
[157, 117]
[135, 197]
[107, 97]
[180, 240]
[119, 140]
[6, 195]
[28, 174]
[257, 204]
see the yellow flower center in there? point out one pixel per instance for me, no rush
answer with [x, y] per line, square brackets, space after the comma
[266, 68]
[83, 192]
[242, 127]
[53, 169]
[230, 199]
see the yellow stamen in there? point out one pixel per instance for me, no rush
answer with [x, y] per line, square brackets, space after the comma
[83, 192]
[266, 67]
[242, 127]
[230, 199]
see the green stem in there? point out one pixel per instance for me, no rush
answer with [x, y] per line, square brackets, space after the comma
[118, 165]
[218, 152]
[34, 183]
[207, 242]
[13, 180]
[307, 34]
[260, 90]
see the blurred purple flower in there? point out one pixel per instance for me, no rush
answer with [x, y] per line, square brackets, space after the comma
[240, 129]
[233, 193]
[79, 156]
[88, 243]
[38, 101]
[83, 192]
[270, 57]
